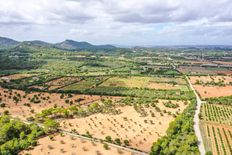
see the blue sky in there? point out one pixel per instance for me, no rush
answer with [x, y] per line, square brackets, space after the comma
[121, 22]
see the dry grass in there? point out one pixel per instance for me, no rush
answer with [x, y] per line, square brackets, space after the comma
[141, 127]
[145, 82]
[70, 147]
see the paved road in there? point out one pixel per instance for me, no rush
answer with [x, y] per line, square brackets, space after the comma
[197, 120]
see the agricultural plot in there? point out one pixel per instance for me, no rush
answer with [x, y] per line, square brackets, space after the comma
[65, 144]
[217, 113]
[220, 138]
[140, 125]
[15, 77]
[197, 70]
[57, 83]
[24, 105]
[216, 116]
[223, 62]
[24, 83]
[130, 82]
[211, 80]
[174, 80]
[146, 93]
[212, 86]
[213, 91]
[146, 82]
[86, 83]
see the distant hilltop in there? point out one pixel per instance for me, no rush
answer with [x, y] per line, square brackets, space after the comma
[66, 45]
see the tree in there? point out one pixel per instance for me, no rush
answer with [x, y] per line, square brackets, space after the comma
[108, 139]
[2, 105]
[50, 125]
[16, 136]
[118, 141]
[126, 142]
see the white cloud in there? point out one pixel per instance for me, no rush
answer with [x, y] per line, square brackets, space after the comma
[119, 22]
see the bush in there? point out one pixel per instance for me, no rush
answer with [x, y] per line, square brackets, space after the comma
[106, 146]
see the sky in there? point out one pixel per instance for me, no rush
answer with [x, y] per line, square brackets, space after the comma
[119, 22]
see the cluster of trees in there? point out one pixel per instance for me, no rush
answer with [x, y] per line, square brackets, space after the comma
[16, 136]
[180, 138]
[225, 100]
[169, 104]
[220, 83]
[18, 59]
[117, 141]
[76, 110]
[140, 92]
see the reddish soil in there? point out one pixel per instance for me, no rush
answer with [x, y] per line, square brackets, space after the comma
[47, 100]
[68, 145]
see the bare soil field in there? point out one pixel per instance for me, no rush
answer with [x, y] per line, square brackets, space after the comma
[212, 86]
[203, 70]
[22, 105]
[140, 126]
[220, 138]
[213, 91]
[226, 79]
[67, 145]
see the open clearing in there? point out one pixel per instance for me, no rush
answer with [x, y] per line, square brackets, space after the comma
[64, 144]
[141, 126]
[23, 105]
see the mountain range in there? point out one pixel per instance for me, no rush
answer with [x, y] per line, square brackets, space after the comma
[66, 45]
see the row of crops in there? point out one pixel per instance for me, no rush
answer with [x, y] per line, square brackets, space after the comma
[220, 137]
[217, 113]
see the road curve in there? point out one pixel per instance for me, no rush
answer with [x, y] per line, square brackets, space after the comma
[196, 120]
